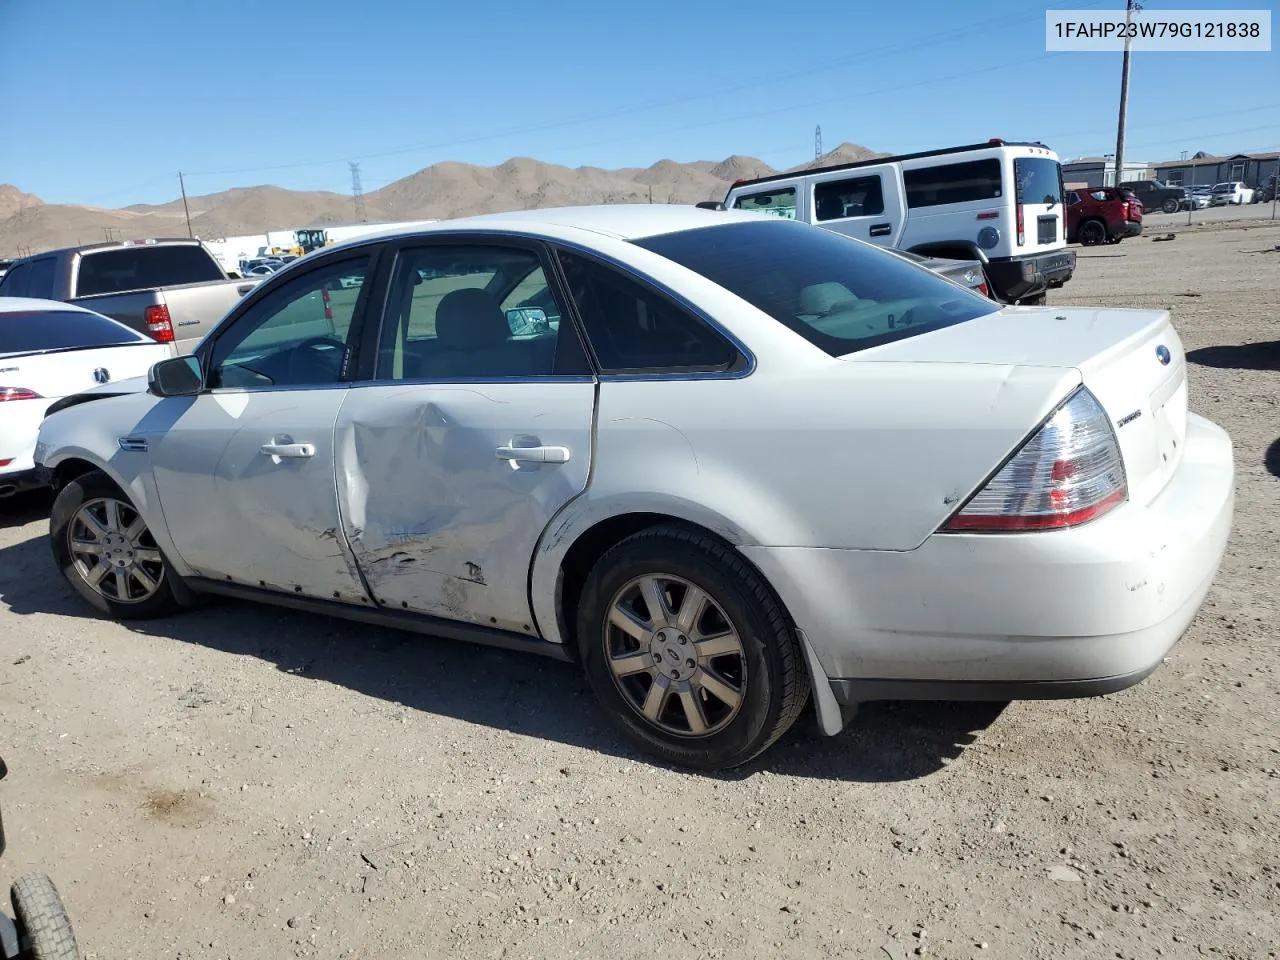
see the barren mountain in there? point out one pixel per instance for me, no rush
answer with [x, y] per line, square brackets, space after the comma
[447, 189]
[845, 153]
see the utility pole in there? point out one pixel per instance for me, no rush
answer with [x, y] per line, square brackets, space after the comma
[185, 209]
[817, 141]
[1130, 7]
[1191, 197]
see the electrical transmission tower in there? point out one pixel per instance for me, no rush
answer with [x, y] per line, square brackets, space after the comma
[817, 141]
[357, 191]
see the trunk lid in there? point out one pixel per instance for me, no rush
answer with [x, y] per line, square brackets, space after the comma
[1131, 360]
[63, 372]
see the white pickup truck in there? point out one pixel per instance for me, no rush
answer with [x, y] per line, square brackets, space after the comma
[1000, 203]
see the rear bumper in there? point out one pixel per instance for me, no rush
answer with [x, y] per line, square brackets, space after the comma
[18, 481]
[1125, 230]
[1017, 278]
[1034, 615]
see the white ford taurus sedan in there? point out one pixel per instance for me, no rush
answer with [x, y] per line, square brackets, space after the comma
[723, 461]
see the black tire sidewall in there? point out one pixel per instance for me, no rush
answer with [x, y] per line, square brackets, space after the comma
[70, 498]
[1092, 233]
[749, 732]
[45, 903]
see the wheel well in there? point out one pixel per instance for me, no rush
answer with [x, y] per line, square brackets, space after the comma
[68, 470]
[589, 548]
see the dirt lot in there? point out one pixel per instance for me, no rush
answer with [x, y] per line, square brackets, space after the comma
[248, 782]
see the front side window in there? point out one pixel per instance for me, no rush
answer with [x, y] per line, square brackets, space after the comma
[474, 312]
[839, 294]
[953, 183]
[633, 329]
[299, 335]
[855, 197]
[777, 203]
[14, 283]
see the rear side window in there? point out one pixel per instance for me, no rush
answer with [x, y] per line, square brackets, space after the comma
[14, 283]
[953, 183]
[31, 330]
[40, 283]
[633, 329]
[855, 197]
[839, 294]
[138, 268]
[1039, 180]
[778, 203]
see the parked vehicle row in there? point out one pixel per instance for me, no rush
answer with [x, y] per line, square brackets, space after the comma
[172, 291]
[728, 463]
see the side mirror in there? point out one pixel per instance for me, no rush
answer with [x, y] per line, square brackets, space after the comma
[527, 319]
[176, 377]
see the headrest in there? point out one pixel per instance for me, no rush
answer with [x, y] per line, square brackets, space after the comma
[470, 318]
[822, 297]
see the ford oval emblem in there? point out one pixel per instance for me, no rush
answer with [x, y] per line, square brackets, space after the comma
[102, 375]
[1163, 354]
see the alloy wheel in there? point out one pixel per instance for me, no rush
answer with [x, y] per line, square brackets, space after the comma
[675, 655]
[114, 552]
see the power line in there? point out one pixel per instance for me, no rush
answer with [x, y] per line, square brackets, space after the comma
[982, 26]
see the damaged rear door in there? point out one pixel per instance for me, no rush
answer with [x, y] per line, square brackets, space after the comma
[475, 430]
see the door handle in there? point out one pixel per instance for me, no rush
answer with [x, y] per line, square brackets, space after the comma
[534, 454]
[291, 450]
[881, 230]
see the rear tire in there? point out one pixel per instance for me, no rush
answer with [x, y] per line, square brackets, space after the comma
[1092, 233]
[44, 929]
[104, 549]
[1170, 206]
[744, 682]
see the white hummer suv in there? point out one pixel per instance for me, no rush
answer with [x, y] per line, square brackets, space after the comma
[997, 202]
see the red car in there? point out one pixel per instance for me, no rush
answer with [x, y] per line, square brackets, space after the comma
[1102, 215]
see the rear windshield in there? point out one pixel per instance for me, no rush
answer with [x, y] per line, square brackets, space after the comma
[1039, 180]
[838, 293]
[29, 331]
[138, 268]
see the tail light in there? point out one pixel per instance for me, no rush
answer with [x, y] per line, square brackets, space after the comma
[17, 393]
[1022, 227]
[1069, 472]
[159, 323]
[984, 289]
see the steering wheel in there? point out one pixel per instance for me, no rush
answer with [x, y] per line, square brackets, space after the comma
[311, 348]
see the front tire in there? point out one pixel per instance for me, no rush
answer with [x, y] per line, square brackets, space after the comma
[103, 547]
[688, 649]
[1170, 206]
[44, 929]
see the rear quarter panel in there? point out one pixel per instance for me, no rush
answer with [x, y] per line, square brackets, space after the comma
[870, 455]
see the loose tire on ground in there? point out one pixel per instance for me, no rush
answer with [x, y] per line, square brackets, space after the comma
[44, 929]
[774, 682]
[68, 530]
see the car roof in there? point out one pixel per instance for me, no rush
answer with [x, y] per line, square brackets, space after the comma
[623, 221]
[24, 304]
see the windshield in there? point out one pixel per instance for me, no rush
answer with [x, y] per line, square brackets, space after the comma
[144, 267]
[1039, 180]
[838, 293]
[27, 331]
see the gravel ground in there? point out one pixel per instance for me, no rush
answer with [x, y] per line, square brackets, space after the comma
[248, 782]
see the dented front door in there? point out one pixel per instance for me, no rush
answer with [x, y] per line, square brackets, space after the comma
[446, 488]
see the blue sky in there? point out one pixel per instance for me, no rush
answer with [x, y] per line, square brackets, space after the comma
[106, 104]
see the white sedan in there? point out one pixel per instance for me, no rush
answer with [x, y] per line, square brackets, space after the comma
[49, 350]
[721, 460]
